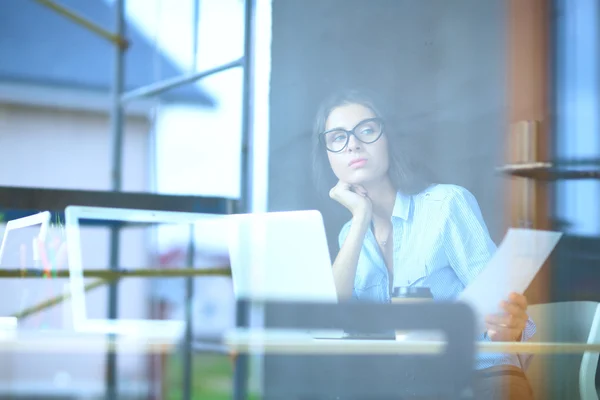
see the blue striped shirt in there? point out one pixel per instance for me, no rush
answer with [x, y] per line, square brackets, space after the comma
[440, 242]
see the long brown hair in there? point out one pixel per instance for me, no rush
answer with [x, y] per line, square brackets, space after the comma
[407, 174]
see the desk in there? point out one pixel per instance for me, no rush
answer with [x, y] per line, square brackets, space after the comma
[244, 341]
[77, 343]
[72, 364]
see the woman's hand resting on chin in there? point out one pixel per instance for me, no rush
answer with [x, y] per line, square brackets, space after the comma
[354, 197]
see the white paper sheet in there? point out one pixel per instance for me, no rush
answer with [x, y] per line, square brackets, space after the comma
[511, 269]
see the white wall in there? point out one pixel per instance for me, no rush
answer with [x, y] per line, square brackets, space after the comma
[436, 67]
[62, 149]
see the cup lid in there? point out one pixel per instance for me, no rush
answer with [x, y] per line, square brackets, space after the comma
[412, 292]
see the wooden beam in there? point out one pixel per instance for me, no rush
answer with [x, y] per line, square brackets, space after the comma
[529, 105]
[529, 79]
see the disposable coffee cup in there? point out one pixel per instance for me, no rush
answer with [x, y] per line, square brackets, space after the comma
[410, 295]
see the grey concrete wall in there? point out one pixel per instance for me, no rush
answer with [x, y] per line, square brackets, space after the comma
[438, 65]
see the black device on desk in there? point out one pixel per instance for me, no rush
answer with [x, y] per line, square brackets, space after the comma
[369, 336]
[400, 295]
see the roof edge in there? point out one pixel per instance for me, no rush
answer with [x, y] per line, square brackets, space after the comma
[72, 99]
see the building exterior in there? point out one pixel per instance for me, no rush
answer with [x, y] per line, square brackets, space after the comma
[55, 132]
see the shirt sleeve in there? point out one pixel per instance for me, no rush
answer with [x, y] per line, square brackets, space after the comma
[467, 242]
[468, 245]
[528, 332]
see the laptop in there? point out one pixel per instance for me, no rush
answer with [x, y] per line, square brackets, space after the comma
[82, 241]
[19, 251]
[281, 256]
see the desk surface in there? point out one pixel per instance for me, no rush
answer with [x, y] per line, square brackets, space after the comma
[82, 343]
[243, 341]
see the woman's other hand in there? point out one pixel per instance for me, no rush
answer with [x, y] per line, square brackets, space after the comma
[354, 197]
[508, 326]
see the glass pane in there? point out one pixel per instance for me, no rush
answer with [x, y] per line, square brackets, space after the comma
[198, 151]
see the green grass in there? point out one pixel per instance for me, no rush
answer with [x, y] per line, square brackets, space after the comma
[212, 377]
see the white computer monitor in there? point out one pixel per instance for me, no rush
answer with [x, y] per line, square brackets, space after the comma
[130, 218]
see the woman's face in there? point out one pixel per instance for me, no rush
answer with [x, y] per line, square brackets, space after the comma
[358, 163]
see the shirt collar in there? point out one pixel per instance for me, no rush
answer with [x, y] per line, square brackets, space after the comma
[401, 206]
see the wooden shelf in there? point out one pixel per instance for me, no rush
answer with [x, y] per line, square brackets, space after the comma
[541, 171]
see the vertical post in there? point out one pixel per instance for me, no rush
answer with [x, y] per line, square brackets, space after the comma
[245, 202]
[526, 140]
[116, 118]
[117, 108]
[189, 282]
[529, 79]
[529, 99]
[189, 320]
[240, 373]
[530, 86]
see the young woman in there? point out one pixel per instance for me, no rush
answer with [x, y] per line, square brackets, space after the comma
[406, 231]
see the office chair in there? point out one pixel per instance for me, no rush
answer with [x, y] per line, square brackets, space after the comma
[565, 376]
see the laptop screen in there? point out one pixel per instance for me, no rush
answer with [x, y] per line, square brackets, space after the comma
[23, 249]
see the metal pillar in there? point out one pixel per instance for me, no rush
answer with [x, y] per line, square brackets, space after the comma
[240, 373]
[247, 109]
[189, 320]
[188, 364]
[116, 118]
[172, 83]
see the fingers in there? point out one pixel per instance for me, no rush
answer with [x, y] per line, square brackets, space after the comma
[503, 334]
[343, 186]
[515, 316]
[502, 321]
[514, 310]
[354, 198]
[518, 299]
[360, 190]
[332, 193]
[509, 325]
[339, 186]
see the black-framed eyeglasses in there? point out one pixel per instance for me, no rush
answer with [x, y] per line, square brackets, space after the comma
[367, 131]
